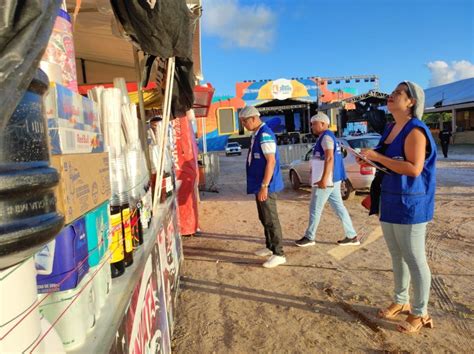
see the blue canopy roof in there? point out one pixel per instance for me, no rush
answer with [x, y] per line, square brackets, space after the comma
[458, 92]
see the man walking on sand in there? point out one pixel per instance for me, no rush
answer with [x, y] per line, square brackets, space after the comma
[264, 180]
[329, 186]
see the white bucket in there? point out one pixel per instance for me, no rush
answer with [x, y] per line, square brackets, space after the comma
[51, 343]
[96, 289]
[88, 297]
[101, 285]
[107, 272]
[77, 320]
[107, 275]
[17, 297]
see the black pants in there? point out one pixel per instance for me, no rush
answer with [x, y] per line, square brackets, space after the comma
[444, 147]
[268, 215]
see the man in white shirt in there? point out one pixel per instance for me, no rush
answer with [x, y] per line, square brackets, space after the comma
[264, 180]
[328, 187]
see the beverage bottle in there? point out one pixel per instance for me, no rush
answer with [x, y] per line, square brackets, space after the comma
[149, 203]
[145, 207]
[117, 264]
[138, 223]
[143, 212]
[137, 233]
[127, 235]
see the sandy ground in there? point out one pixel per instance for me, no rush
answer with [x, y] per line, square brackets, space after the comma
[326, 297]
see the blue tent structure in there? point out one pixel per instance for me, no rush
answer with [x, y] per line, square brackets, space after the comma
[458, 98]
[444, 97]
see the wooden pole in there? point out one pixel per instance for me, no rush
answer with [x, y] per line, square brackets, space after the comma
[164, 128]
[141, 106]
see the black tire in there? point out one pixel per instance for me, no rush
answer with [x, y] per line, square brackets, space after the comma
[294, 180]
[347, 191]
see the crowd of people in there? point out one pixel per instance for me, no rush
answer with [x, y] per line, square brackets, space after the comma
[403, 195]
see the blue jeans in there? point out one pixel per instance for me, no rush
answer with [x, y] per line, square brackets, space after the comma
[319, 197]
[406, 244]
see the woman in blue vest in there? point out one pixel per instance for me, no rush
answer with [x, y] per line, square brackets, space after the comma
[408, 150]
[264, 180]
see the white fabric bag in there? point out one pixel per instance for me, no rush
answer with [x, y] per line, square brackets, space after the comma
[317, 168]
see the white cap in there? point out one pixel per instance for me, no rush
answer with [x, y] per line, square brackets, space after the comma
[320, 117]
[418, 94]
[249, 111]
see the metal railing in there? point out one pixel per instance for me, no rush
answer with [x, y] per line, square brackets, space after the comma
[292, 152]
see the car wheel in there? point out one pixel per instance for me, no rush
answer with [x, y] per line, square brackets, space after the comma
[239, 153]
[346, 190]
[295, 180]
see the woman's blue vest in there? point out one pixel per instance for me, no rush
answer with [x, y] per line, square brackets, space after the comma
[404, 199]
[339, 172]
[256, 169]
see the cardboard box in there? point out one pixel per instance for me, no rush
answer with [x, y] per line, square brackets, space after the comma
[84, 183]
[73, 141]
[97, 231]
[73, 122]
[64, 104]
[61, 263]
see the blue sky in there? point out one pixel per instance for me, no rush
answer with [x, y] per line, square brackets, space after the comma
[430, 42]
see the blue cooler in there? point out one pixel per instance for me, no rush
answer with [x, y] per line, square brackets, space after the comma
[97, 231]
[61, 259]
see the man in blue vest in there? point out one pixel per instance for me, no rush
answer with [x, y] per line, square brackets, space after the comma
[328, 187]
[264, 180]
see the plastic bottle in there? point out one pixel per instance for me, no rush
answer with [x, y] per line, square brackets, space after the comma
[145, 209]
[28, 215]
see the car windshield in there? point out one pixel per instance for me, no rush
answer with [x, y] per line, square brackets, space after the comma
[364, 143]
[232, 145]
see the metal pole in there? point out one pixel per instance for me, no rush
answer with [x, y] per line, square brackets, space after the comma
[308, 117]
[204, 135]
[453, 124]
[141, 106]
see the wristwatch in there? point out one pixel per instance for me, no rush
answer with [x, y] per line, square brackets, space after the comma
[264, 185]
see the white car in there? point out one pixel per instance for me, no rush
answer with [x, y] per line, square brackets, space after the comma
[359, 177]
[233, 149]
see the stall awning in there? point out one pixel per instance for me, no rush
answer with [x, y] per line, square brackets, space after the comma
[202, 100]
[102, 54]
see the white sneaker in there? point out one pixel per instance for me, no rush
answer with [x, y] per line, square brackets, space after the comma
[274, 261]
[264, 252]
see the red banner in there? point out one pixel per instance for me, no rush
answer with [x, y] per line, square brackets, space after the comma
[185, 156]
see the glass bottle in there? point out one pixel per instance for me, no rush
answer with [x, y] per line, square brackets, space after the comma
[117, 264]
[127, 235]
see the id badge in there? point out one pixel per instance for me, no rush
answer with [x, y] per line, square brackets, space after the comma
[256, 155]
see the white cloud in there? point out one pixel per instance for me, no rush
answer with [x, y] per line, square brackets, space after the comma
[244, 26]
[444, 73]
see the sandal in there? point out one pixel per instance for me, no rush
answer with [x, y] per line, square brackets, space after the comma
[407, 326]
[394, 310]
